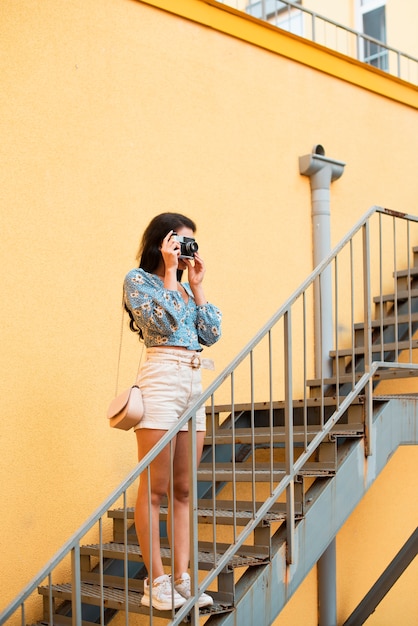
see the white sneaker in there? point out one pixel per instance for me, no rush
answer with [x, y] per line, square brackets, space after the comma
[164, 598]
[182, 585]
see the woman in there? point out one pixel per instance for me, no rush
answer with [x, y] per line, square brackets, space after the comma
[174, 320]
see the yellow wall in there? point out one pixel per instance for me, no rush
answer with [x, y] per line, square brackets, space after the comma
[112, 111]
[401, 22]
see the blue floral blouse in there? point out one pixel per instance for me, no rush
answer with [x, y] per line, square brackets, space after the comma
[165, 318]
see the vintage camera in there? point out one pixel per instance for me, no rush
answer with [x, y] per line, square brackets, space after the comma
[188, 246]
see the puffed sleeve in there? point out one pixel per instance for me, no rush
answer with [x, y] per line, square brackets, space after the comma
[154, 307]
[208, 324]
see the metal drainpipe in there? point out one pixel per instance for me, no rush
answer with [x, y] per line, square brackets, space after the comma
[322, 171]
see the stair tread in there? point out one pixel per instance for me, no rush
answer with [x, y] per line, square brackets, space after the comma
[377, 347]
[412, 271]
[384, 374]
[115, 598]
[388, 321]
[244, 557]
[279, 404]
[402, 294]
[265, 435]
[262, 471]
[223, 508]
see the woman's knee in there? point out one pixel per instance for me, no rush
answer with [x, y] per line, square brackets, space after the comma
[181, 491]
[156, 493]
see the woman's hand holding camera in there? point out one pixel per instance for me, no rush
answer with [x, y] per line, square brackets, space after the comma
[170, 250]
[196, 272]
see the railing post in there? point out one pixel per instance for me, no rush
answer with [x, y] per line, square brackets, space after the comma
[193, 506]
[76, 586]
[290, 494]
[367, 338]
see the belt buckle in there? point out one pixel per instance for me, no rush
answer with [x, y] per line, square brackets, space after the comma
[195, 362]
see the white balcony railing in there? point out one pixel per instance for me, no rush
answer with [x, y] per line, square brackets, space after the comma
[298, 20]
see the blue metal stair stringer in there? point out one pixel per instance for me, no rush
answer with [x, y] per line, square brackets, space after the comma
[262, 592]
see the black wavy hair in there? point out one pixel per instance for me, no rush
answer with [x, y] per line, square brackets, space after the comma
[149, 253]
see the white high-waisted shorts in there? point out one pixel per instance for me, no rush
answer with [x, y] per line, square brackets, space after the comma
[170, 381]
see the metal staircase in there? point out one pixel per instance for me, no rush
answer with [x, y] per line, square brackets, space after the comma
[278, 478]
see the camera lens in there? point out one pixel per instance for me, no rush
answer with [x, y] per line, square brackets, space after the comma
[191, 247]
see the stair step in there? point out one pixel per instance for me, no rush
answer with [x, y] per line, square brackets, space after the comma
[377, 348]
[246, 556]
[66, 620]
[264, 435]
[223, 513]
[413, 271]
[277, 404]
[115, 599]
[243, 472]
[403, 294]
[388, 321]
[243, 513]
[347, 379]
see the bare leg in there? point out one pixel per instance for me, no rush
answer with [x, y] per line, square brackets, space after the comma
[179, 507]
[149, 533]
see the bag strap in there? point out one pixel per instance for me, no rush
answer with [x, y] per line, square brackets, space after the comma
[120, 348]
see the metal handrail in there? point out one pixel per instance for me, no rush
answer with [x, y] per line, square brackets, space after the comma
[287, 381]
[274, 8]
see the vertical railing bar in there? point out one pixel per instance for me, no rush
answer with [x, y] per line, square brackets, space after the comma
[193, 512]
[171, 520]
[290, 502]
[321, 354]
[395, 304]
[271, 413]
[409, 283]
[101, 573]
[234, 487]
[23, 614]
[381, 309]
[50, 600]
[76, 586]
[367, 337]
[305, 376]
[336, 324]
[253, 463]
[352, 328]
[151, 533]
[214, 533]
[125, 557]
